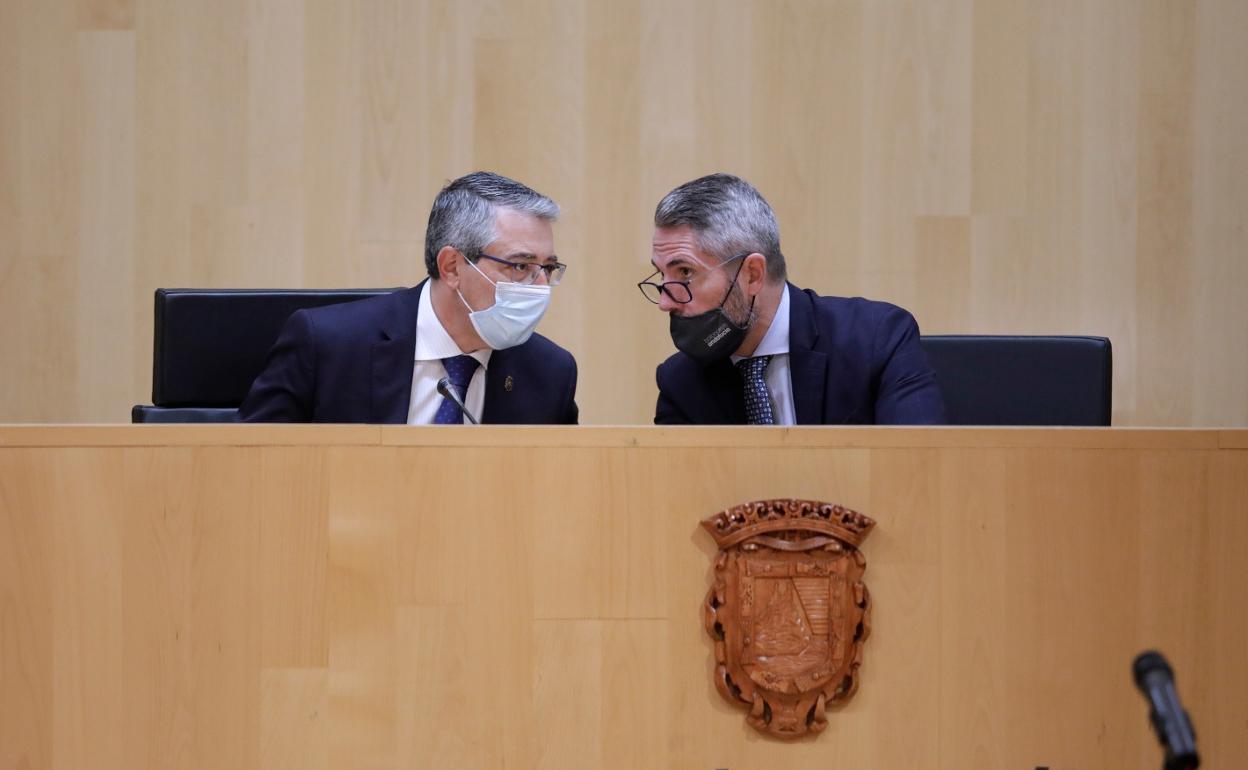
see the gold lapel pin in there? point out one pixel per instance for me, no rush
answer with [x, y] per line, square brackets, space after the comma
[508, 383]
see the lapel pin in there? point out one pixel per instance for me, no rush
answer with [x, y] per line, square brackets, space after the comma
[508, 383]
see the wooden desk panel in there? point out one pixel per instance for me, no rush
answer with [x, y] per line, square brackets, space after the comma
[420, 597]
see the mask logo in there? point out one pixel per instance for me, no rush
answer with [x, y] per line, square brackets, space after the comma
[716, 337]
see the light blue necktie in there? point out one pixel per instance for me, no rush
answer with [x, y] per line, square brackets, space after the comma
[757, 397]
[459, 370]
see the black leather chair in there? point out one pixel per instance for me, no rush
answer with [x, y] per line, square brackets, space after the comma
[211, 343]
[1012, 380]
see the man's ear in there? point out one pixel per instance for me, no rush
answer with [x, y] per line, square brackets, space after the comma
[449, 261]
[754, 273]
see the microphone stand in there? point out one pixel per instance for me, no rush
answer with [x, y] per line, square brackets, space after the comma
[446, 391]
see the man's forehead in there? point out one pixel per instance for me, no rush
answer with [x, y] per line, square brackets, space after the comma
[520, 234]
[675, 237]
[676, 245]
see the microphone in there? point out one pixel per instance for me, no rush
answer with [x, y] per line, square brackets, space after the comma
[1173, 727]
[444, 388]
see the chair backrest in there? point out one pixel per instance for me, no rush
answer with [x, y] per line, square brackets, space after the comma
[209, 344]
[1022, 380]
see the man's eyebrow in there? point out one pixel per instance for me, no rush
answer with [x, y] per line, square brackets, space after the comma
[532, 257]
[529, 256]
[675, 261]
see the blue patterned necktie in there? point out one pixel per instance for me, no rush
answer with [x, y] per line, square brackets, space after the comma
[459, 370]
[757, 397]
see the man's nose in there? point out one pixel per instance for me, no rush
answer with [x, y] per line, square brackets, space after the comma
[666, 303]
[541, 279]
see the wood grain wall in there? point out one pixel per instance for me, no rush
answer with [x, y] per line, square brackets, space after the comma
[994, 165]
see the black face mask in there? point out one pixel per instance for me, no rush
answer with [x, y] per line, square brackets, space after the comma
[711, 336]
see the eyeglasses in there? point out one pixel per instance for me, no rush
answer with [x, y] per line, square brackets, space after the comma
[677, 291]
[527, 272]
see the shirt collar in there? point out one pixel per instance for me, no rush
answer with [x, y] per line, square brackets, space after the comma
[776, 340]
[433, 342]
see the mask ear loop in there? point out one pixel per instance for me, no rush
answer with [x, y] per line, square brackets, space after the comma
[483, 275]
[734, 283]
[749, 315]
[479, 270]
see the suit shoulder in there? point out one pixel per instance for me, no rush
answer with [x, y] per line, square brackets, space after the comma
[547, 351]
[859, 316]
[676, 366]
[857, 307]
[350, 320]
[377, 307]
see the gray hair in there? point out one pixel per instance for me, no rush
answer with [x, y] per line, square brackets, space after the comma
[729, 218]
[463, 214]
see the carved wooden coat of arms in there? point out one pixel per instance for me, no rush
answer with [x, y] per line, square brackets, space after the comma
[789, 612]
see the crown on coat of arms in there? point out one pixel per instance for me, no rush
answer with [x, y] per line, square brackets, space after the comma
[741, 522]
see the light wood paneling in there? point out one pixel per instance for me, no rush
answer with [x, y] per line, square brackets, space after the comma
[214, 602]
[106, 216]
[996, 166]
[1218, 284]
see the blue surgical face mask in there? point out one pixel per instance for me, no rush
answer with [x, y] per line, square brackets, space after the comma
[516, 311]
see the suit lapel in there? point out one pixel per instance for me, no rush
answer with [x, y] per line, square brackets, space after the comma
[808, 368]
[392, 358]
[494, 408]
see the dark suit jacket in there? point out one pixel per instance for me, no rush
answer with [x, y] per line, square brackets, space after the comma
[851, 361]
[353, 363]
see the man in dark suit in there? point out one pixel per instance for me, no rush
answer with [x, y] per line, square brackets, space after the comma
[489, 252]
[753, 348]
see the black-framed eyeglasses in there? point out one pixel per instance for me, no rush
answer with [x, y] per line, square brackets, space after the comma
[527, 272]
[677, 291]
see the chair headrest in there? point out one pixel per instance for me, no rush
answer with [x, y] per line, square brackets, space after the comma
[1023, 380]
[211, 343]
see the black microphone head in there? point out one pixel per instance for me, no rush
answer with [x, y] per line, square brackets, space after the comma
[444, 388]
[1150, 662]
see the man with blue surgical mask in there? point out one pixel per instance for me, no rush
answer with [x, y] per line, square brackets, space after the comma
[462, 340]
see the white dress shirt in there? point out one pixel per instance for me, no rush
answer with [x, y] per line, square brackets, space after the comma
[433, 344]
[775, 343]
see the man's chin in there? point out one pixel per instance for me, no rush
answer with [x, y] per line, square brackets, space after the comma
[740, 321]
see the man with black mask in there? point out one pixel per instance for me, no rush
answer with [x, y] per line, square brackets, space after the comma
[755, 349]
